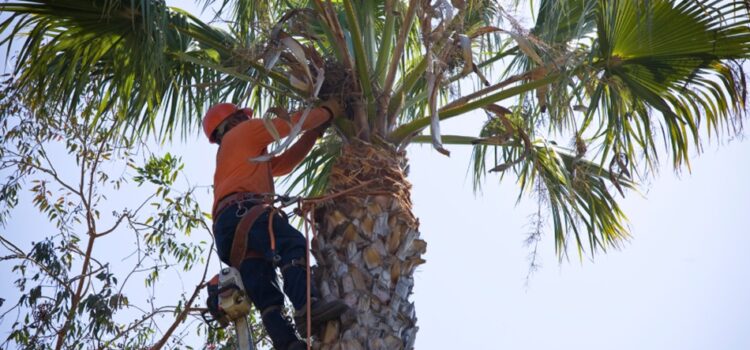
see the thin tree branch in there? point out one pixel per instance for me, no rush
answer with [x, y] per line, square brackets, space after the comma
[52, 173]
[136, 324]
[23, 256]
[86, 199]
[186, 308]
[89, 274]
[76, 297]
[115, 226]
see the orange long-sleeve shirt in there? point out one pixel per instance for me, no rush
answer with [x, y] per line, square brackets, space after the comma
[249, 139]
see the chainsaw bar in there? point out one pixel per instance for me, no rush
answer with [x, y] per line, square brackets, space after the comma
[244, 334]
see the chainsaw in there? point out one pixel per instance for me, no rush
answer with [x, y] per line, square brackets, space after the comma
[228, 303]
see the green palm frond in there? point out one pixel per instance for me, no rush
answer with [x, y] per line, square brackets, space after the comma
[116, 54]
[156, 68]
[577, 192]
[559, 22]
[310, 178]
[249, 19]
[617, 76]
[672, 59]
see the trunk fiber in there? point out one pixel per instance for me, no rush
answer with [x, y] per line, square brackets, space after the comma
[367, 249]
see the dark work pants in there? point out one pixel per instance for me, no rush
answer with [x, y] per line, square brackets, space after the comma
[259, 274]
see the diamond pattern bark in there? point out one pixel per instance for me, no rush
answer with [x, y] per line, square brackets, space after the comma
[368, 247]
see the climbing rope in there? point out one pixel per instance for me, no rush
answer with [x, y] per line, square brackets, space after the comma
[305, 210]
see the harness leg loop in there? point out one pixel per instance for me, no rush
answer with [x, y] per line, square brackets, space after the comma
[295, 262]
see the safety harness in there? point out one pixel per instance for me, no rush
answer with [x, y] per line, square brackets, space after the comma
[260, 203]
[226, 293]
[227, 300]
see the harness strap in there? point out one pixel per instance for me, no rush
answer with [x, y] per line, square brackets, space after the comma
[271, 236]
[241, 197]
[270, 309]
[295, 262]
[251, 254]
[239, 245]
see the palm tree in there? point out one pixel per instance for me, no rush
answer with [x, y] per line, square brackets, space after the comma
[617, 78]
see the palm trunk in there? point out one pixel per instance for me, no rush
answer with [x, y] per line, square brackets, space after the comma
[367, 249]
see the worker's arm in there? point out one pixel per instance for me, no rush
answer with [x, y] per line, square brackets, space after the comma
[261, 137]
[284, 163]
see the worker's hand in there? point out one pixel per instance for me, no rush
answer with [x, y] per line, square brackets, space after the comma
[334, 106]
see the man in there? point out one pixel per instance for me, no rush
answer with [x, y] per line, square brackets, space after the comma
[239, 186]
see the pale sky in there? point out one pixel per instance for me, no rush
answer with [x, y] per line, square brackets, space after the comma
[682, 282]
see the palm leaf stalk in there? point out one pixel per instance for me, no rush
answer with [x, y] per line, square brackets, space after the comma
[617, 77]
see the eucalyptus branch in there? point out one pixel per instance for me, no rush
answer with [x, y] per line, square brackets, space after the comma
[82, 177]
[50, 171]
[76, 298]
[135, 324]
[186, 308]
[88, 274]
[17, 306]
[18, 254]
[184, 333]
[78, 251]
[94, 167]
[128, 215]
[157, 266]
[115, 226]
[132, 272]
[12, 247]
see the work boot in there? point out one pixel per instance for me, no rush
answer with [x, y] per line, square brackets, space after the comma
[320, 313]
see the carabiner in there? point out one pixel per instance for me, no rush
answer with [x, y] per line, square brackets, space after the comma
[241, 210]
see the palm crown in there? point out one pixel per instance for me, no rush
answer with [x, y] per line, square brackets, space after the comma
[615, 76]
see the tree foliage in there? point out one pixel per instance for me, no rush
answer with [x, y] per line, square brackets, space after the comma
[77, 285]
[616, 77]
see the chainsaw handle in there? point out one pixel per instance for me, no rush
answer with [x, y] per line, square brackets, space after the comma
[210, 321]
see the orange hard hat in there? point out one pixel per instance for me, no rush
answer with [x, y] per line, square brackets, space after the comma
[217, 114]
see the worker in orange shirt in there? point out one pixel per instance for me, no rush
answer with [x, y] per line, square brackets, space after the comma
[240, 188]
